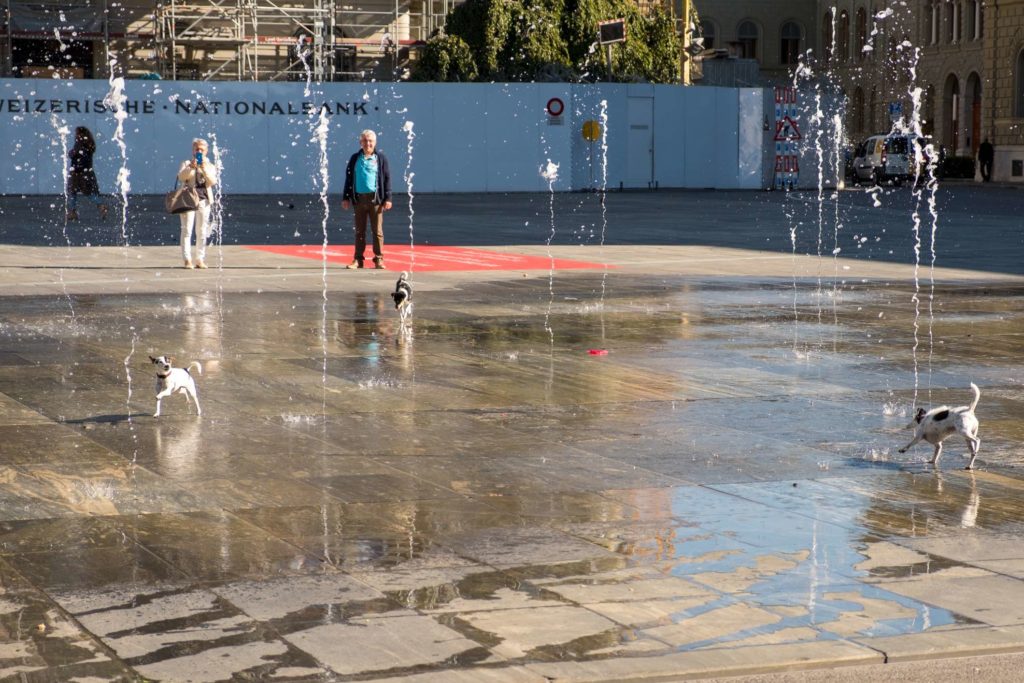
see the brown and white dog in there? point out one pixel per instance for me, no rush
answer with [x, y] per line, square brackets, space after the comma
[170, 380]
[938, 424]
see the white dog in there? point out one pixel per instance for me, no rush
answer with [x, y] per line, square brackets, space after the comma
[403, 291]
[938, 424]
[170, 379]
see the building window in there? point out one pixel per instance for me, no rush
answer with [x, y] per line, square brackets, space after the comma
[970, 23]
[862, 34]
[843, 37]
[826, 37]
[979, 19]
[1018, 82]
[933, 22]
[747, 35]
[928, 118]
[953, 22]
[951, 113]
[789, 49]
[707, 29]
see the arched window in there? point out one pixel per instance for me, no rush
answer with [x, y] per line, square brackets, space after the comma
[843, 37]
[862, 34]
[826, 37]
[707, 29]
[973, 95]
[1018, 86]
[979, 19]
[928, 120]
[875, 36]
[857, 111]
[953, 22]
[789, 48]
[747, 34]
[933, 22]
[951, 113]
[970, 20]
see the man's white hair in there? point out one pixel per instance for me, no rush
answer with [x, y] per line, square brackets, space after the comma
[368, 134]
[199, 141]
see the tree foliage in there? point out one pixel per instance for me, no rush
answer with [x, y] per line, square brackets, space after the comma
[534, 40]
[484, 25]
[526, 40]
[445, 59]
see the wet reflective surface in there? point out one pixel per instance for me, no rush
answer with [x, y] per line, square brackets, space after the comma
[476, 492]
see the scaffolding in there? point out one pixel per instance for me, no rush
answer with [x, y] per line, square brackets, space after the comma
[257, 40]
[66, 24]
[245, 40]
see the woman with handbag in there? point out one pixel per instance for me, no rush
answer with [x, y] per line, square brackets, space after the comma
[200, 174]
[81, 176]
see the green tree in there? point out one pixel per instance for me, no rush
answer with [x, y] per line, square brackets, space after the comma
[534, 43]
[651, 50]
[445, 59]
[484, 26]
[526, 40]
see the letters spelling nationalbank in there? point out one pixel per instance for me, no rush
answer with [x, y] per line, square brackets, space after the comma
[24, 105]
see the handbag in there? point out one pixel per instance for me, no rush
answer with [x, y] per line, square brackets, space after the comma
[181, 199]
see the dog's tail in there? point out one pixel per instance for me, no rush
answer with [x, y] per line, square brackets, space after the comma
[977, 396]
[199, 367]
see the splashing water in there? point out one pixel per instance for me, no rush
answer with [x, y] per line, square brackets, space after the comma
[304, 54]
[115, 101]
[550, 173]
[321, 133]
[803, 71]
[63, 131]
[914, 128]
[217, 214]
[837, 224]
[409, 175]
[924, 158]
[603, 116]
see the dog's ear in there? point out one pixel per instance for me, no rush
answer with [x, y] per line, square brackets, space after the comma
[152, 360]
[170, 360]
[920, 414]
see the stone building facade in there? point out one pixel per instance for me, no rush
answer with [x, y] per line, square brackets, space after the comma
[774, 32]
[960, 63]
[1003, 97]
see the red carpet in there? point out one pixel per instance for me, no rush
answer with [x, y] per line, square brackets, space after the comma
[426, 258]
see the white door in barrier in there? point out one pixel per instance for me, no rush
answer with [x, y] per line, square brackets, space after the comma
[640, 147]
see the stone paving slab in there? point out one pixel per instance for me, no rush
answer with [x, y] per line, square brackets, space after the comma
[949, 643]
[476, 497]
[705, 664]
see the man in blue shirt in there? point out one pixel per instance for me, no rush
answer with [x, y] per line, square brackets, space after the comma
[368, 189]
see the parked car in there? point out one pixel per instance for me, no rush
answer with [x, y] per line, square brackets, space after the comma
[892, 157]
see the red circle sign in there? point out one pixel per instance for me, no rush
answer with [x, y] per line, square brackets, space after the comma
[555, 106]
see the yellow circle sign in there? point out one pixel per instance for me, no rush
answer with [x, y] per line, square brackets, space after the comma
[591, 130]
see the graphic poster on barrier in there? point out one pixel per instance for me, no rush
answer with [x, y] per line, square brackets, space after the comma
[787, 139]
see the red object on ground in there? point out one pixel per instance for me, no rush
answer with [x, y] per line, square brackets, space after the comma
[598, 352]
[427, 258]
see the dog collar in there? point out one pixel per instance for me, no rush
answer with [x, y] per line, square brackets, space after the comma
[163, 376]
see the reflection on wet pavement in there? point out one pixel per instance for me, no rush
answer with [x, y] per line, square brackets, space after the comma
[479, 497]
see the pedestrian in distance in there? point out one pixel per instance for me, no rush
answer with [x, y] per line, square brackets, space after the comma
[200, 173]
[81, 176]
[368, 190]
[986, 155]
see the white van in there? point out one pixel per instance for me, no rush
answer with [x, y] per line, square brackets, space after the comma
[887, 158]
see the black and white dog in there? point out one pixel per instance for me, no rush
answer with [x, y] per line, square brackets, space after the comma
[403, 292]
[938, 424]
[170, 380]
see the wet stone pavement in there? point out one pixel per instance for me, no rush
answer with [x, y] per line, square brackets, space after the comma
[477, 497]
